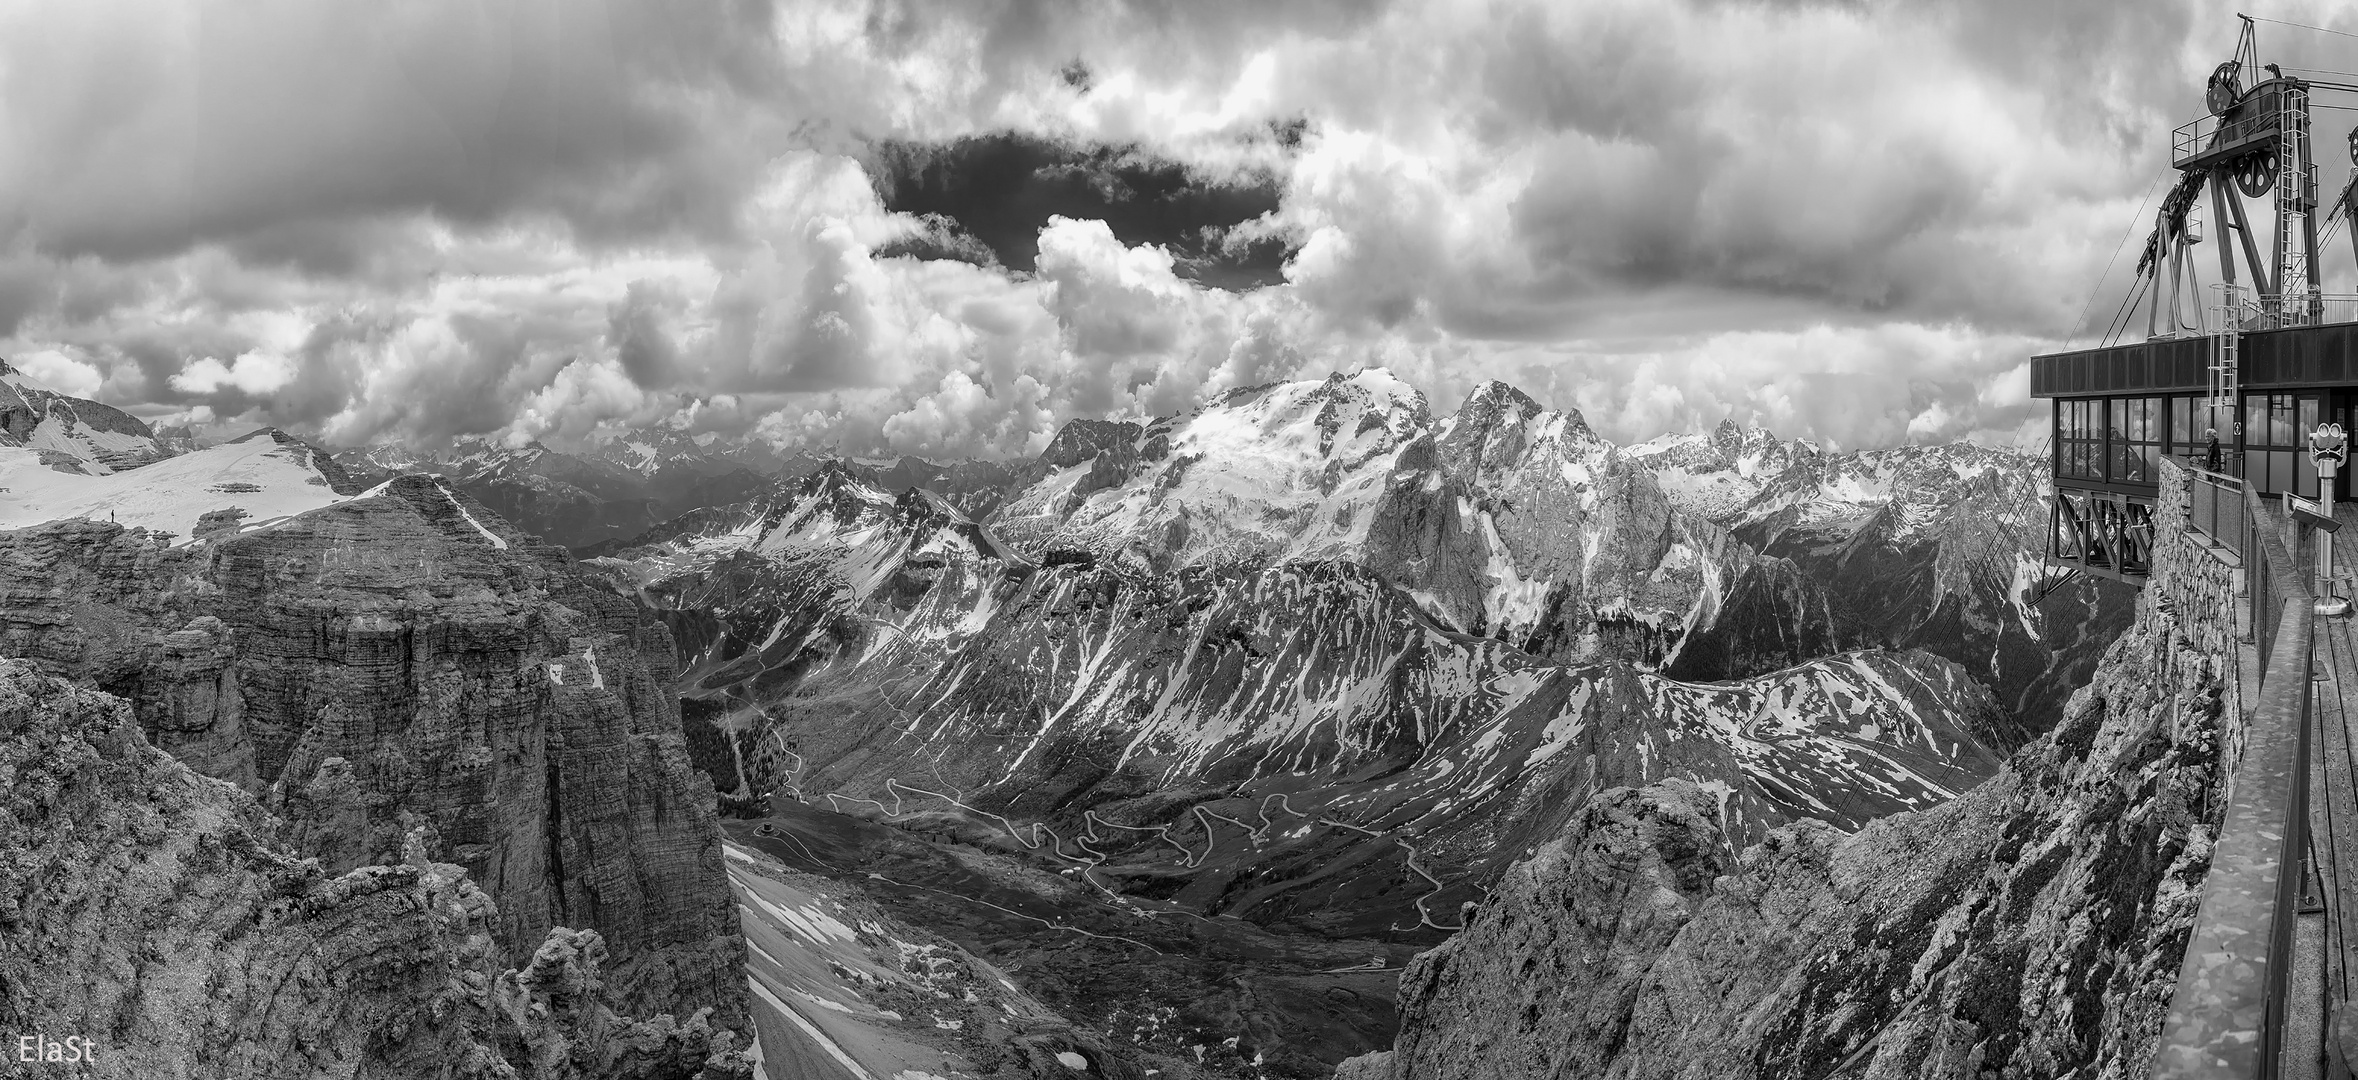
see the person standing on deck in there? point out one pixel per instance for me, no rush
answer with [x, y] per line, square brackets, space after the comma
[2210, 454]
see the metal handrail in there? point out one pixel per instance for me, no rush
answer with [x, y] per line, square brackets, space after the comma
[2215, 508]
[2272, 311]
[2208, 133]
[2226, 1017]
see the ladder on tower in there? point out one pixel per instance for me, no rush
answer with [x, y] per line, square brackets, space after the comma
[2226, 330]
[2296, 176]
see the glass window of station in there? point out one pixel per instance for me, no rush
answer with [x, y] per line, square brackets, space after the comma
[2121, 440]
[2275, 438]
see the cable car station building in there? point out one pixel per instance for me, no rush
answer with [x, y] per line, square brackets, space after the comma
[2259, 355]
[2238, 339]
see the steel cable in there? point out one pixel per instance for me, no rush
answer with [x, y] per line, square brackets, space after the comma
[2127, 309]
[2305, 26]
[2116, 255]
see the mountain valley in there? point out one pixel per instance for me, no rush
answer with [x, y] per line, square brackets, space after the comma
[1179, 741]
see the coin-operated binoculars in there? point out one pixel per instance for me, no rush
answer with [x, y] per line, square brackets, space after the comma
[2329, 447]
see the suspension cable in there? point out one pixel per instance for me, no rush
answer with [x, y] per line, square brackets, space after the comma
[2128, 307]
[2128, 310]
[2116, 254]
[2302, 26]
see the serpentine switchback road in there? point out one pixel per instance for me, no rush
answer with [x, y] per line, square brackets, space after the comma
[1179, 982]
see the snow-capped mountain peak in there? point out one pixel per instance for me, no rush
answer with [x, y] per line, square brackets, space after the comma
[71, 434]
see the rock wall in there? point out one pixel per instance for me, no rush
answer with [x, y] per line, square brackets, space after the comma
[2031, 927]
[407, 661]
[2200, 590]
[152, 911]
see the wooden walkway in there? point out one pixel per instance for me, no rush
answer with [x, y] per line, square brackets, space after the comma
[2327, 934]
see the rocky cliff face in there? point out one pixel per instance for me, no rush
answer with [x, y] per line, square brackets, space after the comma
[1913, 547]
[406, 661]
[154, 912]
[2032, 926]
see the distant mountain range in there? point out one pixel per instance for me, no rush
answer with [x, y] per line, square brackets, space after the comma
[1306, 669]
[1314, 658]
[625, 487]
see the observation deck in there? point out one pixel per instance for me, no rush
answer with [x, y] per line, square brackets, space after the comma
[2267, 964]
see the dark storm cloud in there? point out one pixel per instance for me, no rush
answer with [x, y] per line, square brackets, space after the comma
[387, 250]
[156, 354]
[1910, 161]
[141, 137]
[640, 342]
[456, 376]
[25, 287]
[951, 224]
[1012, 43]
[1002, 188]
[1652, 173]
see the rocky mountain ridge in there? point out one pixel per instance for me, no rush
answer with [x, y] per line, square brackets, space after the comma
[1704, 557]
[2032, 926]
[401, 661]
[848, 644]
[1314, 659]
[1310, 661]
[202, 945]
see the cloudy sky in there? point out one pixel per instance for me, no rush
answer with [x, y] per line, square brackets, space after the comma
[943, 227]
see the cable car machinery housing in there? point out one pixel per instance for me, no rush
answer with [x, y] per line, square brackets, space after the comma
[2253, 141]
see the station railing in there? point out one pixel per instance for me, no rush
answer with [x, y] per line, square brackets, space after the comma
[2221, 508]
[2268, 311]
[2256, 120]
[2226, 1018]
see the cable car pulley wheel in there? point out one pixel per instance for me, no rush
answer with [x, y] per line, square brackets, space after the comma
[2222, 92]
[2255, 174]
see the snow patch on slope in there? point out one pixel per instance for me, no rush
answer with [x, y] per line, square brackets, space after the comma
[268, 481]
[494, 538]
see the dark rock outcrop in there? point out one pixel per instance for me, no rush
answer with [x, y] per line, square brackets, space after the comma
[154, 912]
[1949, 584]
[411, 661]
